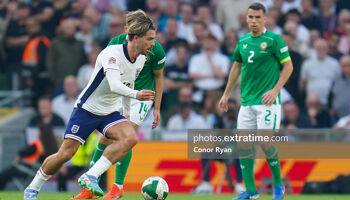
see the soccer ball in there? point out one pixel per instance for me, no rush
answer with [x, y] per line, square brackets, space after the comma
[154, 188]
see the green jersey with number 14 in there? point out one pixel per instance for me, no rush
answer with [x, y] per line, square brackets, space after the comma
[155, 60]
[261, 57]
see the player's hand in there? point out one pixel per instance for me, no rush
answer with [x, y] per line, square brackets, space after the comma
[156, 115]
[223, 107]
[269, 97]
[145, 95]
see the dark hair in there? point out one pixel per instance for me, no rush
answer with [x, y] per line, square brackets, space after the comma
[294, 11]
[257, 6]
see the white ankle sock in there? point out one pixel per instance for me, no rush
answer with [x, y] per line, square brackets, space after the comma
[120, 186]
[100, 167]
[39, 179]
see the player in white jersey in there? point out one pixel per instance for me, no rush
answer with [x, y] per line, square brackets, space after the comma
[113, 78]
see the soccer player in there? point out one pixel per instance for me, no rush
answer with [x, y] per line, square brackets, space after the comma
[150, 77]
[257, 57]
[117, 67]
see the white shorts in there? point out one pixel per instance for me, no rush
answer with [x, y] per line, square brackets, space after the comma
[139, 110]
[259, 117]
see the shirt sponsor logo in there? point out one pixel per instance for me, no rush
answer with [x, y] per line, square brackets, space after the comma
[284, 49]
[112, 60]
[263, 45]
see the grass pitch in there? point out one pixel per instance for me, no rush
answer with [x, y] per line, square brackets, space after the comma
[65, 196]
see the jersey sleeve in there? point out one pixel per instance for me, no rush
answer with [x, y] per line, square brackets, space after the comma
[158, 58]
[108, 60]
[236, 54]
[281, 49]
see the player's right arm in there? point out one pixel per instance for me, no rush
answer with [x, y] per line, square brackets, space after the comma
[235, 72]
[232, 80]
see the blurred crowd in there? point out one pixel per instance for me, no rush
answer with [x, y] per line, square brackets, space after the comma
[50, 47]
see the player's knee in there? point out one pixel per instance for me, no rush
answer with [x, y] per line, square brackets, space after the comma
[103, 140]
[131, 140]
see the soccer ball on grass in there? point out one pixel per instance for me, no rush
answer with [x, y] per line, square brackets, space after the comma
[154, 188]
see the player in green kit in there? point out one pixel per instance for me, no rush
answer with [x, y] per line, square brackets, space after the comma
[258, 56]
[150, 78]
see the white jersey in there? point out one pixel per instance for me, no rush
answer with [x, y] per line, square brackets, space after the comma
[99, 97]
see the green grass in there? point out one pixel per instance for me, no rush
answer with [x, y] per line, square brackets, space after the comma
[66, 196]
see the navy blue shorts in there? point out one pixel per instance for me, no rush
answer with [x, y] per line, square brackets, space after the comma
[82, 123]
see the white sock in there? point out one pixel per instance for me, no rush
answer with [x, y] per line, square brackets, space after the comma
[39, 179]
[100, 167]
[120, 186]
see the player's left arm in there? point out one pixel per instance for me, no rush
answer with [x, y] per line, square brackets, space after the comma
[281, 52]
[158, 77]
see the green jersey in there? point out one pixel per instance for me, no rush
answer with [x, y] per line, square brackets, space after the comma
[155, 61]
[261, 57]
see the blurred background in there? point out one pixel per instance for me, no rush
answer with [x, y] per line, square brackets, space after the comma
[48, 49]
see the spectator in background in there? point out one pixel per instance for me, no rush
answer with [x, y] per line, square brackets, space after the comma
[43, 11]
[31, 156]
[86, 70]
[63, 104]
[153, 10]
[271, 23]
[314, 35]
[16, 37]
[243, 27]
[116, 27]
[85, 33]
[176, 76]
[195, 39]
[77, 8]
[209, 68]
[328, 17]
[333, 43]
[276, 14]
[340, 95]
[161, 38]
[293, 119]
[204, 15]
[318, 116]
[317, 74]
[229, 44]
[45, 114]
[171, 33]
[290, 4]
[343, 19]
[228, 10]
[302, 33]
[293, 80]
[34, 72]
[309, 18]
[65, 55]
[344, 43]
[100, 23]
[186, 118]
[171, 10]
[185, 25]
